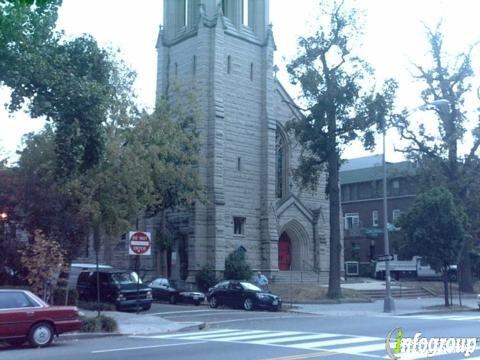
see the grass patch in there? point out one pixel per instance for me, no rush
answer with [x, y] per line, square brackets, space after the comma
[100, 323]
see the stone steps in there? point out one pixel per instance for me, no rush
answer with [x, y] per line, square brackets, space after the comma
[398, 293]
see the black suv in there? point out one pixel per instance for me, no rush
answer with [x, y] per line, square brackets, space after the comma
[117, 287]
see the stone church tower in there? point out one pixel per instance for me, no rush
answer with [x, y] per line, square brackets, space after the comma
[224, 51]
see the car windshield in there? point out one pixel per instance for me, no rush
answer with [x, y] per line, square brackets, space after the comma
[126, 278]
[248, 286]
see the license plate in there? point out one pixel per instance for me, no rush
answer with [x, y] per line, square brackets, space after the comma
[275, 302]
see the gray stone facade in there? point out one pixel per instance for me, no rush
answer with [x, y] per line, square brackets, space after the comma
[207, 45]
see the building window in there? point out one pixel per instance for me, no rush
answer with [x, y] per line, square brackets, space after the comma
[395, 186]
[251, 71]
[176, 70]
[396, 215]
[245, 12]
[229, 64]
[182, 14]
[194, 65]
[375, 218]
[281, 165]
[352, 221]
[239, 225]
[239, 164]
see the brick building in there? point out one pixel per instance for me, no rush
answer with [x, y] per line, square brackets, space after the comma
[362, 204]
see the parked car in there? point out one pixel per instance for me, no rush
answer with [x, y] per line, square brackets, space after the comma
[163, 289]
[24, 316]
[242, 294]
[478, 301]
[117, 287]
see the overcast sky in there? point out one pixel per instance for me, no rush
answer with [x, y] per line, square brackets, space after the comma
[394, 36]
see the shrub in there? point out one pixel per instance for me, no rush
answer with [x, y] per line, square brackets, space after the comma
[59, 296]
[100, 323]
[205, 278]
[236, 267]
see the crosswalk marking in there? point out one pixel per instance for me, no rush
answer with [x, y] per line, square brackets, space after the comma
[322, 344]
[220, 336]
[293, 338]
[441, 317]
[258, 336]
[289, 339]
[354, 350]
[363, 346]
[182, 335]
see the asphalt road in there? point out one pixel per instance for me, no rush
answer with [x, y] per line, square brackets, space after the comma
[237, 334]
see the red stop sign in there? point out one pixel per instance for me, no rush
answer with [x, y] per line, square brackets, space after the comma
[140, 243]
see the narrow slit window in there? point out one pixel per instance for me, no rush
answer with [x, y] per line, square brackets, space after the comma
[176, 70]
[194, 65]
[229, 64]
[239, 164]
[251, 71]
[245, 12]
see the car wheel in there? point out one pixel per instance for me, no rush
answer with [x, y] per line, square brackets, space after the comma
[274, 308]
[147, 307]
[172, 299]
[41, 335]
[248, 304]
[213, 302]
[196, 302]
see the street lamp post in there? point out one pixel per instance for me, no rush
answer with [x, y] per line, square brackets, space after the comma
[388, 303]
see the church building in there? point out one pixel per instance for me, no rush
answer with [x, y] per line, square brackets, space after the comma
[224, 51]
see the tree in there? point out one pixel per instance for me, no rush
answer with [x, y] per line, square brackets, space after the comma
[236, 266]
[338, 111]
[437, 152]
[44, 260]
[70, 82]
[435, 228]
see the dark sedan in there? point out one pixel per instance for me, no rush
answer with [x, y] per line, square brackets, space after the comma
[162, 289]
[24, 316]
[242, 294]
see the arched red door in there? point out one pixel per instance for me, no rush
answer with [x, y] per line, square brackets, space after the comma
[284, 252]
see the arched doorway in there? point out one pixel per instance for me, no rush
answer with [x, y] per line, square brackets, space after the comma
[284, 252]
[293, 247]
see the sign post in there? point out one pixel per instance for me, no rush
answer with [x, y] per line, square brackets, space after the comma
[139, 243]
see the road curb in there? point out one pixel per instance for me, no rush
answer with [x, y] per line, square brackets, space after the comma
[87, 336]
[81, 336]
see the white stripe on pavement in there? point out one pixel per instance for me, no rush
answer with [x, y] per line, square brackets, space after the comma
[294, 338]
[355, 350]
[259, 336]
[147, 347]
[177, 335]
[321, 344]
[220, 336]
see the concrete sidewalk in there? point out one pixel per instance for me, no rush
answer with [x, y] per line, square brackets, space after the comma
[143, 324]
[402, 307]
